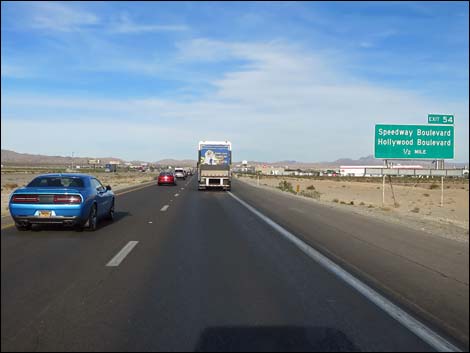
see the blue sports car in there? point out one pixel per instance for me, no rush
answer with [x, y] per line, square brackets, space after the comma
[70, 199]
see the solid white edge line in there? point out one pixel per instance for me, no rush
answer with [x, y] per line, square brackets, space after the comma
[418, 328]
[164, 208]
[121, 255]
[176, 195]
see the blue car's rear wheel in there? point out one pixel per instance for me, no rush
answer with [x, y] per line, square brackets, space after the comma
[92, 221]
[110, 215]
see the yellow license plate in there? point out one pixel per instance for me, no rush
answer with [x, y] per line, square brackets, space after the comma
[45, 213]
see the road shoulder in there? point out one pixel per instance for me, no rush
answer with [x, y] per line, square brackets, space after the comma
[425, 224]
[426, 274]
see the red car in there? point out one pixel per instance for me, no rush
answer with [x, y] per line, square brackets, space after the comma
[166, 178]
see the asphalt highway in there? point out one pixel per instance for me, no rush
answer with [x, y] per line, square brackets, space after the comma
[183, 270]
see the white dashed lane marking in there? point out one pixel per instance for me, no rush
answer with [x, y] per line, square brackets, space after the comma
[164, 208]
[121, 255]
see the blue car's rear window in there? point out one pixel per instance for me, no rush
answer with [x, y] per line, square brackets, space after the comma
[57, 182]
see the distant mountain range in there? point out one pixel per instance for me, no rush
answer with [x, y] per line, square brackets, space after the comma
[368, 160]
[21, 159]
[11, 158]
[176, 162]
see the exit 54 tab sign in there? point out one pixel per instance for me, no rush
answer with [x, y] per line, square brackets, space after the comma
[445, 119]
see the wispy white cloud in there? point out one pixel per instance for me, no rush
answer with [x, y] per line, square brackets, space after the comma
[60, 17]
[15, 71]
[126, 26]
[366, 45]
[284, 96]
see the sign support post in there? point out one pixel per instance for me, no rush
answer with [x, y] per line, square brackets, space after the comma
[383, 183]
[442, 191]
[442, 185]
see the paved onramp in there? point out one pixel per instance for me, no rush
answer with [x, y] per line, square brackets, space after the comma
[205, 274]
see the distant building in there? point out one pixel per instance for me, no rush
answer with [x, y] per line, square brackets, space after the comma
[300, 172]
[360, 170]
[269, 170]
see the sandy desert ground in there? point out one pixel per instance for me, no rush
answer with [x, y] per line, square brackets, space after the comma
[418, 204]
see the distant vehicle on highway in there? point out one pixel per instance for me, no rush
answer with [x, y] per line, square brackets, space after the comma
[214, 165]
[78, 200]
[166, 178]
[180, 173]
[110, 168]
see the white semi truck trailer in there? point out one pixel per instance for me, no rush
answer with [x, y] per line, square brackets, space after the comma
[214, 165]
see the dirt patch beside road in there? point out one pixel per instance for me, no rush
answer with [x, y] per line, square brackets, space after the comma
[418, 203]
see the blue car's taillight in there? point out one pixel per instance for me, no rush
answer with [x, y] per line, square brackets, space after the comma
[25, 199]
[69, 199]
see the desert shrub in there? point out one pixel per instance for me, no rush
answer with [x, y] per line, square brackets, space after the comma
[415, 210]
[286, 186]
[434, 186]
[311, 187]
[11, 185]
[351, 203]
[362, 203]
[311, 194]
[335, 200]
[343, 203]
[426, 195]
[370, 206]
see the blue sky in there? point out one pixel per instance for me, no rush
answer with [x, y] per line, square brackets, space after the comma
[293, 80]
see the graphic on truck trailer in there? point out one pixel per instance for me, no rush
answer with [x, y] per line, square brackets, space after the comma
[214, 155]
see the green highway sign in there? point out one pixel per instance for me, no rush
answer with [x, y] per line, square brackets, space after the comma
[414, 141]
[441, 119]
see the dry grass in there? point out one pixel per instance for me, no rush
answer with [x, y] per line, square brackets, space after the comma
[416, 193]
